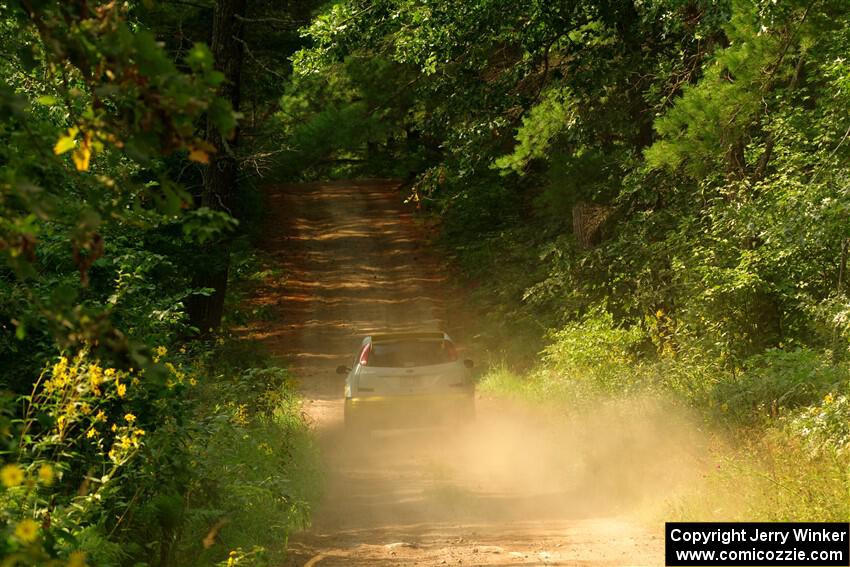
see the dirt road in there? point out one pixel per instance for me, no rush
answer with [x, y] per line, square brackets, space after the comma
[509, 490]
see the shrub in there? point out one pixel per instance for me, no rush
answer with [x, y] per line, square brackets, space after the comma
[775, 382]
[180, 463]
[597, 352]
[66, 459]
[254, 470]
[824, 427]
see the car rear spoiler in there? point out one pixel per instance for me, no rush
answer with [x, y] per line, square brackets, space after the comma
[390, 337]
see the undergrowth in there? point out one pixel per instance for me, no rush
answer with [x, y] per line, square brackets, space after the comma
[198, 457]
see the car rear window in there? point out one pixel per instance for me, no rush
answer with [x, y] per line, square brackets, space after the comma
[409, 353]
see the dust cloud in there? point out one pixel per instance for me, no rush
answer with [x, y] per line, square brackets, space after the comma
[519, 485]
[513, 464]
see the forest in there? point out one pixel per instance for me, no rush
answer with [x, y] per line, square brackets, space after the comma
[640, 197]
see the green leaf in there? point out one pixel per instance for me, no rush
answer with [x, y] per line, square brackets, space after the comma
[67, 142]
[20, 330]
[200, 58]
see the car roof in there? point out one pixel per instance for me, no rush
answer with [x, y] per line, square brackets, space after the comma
[399, 336]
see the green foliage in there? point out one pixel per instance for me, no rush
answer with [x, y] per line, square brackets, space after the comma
[824, 427]
[775, 382]
[103, 111]
[356, 115]
[80, 439]
[90, 108]
[595, 349]
[134, 466]
[547, 120]
[254, 467]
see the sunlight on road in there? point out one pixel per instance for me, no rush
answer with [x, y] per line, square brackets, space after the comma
[515, 487]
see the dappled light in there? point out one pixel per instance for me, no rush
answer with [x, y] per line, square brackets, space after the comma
[417, 283]
[514, 485]
[351, 262]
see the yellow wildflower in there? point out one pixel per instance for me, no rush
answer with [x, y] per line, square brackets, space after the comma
[77, 559]
[193, 381]
[109, 372]
[139, 432]
[122, 390]
[26, 530]
[95, 377]
[46, 474]
[91, 433]
[161, 351]
[60, 367]
[11, 475]
[828, 399]
[241, 415]
[100, 416]
[114, 428]
[130, 417]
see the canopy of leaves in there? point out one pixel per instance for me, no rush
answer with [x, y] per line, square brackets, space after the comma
[707, 135]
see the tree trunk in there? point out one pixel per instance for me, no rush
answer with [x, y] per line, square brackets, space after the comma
[205, 311]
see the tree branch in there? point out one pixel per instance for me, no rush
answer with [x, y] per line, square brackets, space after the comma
[192, 4]
[262, 65]
[269, 20]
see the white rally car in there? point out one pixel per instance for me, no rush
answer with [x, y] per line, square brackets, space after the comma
[399, 380]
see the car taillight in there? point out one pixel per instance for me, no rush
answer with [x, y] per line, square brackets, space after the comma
[451, 351]
[364, 355]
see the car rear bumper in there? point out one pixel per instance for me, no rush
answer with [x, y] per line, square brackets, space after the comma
[423, 410]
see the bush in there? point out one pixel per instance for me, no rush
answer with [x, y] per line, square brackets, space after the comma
[775, 382]
[598, 352]
[181, 463]
[69, 457]
[254, 469]
[824, 427]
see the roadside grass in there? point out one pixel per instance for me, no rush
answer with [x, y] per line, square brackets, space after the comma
[769, 478]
